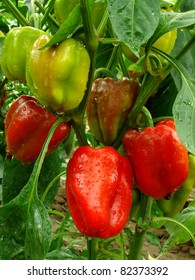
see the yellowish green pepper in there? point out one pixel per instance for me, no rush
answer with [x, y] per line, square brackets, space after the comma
[58, 75]
[176, 202]
[63, 8]
[16, 46]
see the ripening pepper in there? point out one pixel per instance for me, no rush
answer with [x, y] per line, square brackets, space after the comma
[16, 46]
[27, 125]
[167, 41]
[175, 203]
[108, 106]
[63, 8]
[99, 190]
[58, 75]
[159, 159]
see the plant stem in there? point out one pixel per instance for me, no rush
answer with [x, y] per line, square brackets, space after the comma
[103, 72]
[137, 239]
[92, 246]
[103, 23]
[92, 42]
[92, 45]
[112, 58]
[40, 159]
[51, 185]
[47, 13]
[15, 12]
[42, 10]
[122, 63]
[177, 5]
[149, 87]
[78, 126]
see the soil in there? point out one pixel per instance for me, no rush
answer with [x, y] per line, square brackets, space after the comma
[178, 252]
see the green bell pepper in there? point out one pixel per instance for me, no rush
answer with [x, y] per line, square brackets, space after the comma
[63, 8]
[173, 205]
[16, 46]
[58, 75]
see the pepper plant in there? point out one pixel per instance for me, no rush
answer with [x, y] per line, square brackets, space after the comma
[98, 99]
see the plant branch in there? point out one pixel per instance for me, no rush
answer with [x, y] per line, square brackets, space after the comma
[137, 239]
[42, 10]
[177, 5]
[15, 12]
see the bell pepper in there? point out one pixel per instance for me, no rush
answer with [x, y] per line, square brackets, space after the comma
[16, 46]
[167, 41]
[27, 125]
[176, 202]
[58, 75]
[159, 159]
[99, 190]
[108, 106]
[62, 8]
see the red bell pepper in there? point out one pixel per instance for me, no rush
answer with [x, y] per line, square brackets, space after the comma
[159, 159]
[99, 190]
[27, 125]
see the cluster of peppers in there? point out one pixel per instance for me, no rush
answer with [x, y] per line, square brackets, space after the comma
[100, 197]
[27, 120]
[99, 181]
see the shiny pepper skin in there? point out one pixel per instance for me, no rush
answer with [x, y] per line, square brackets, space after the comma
[27, 125]
[159, 159]
[16, 46]
[58, 75]
[167, 41]
[99, 190]
[62, 8]
[176, 202]
[109, 104]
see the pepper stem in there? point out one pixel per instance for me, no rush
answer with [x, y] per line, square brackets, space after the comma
[92, 246]
[137, 239]
[92, 42]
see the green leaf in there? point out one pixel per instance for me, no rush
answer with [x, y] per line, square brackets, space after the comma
[178, 235]
[184, 105]
[18, 217]
[184, 112]
[153, 239]
[38, 230]
[64, 254]
[67, 28]
[25, 224]
[162, 103]
[187, 5]
[64, 226]
[12, 185]
[187, 60]
[134, 22]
